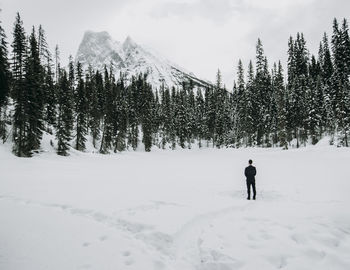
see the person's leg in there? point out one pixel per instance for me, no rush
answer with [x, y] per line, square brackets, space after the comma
[254, 190]
[248, 190]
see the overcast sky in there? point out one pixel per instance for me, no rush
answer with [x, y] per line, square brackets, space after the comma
[199, 35]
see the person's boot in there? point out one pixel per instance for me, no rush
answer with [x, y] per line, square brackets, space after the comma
[254, 198]
[248, 198]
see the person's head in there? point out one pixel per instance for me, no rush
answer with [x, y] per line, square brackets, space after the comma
[250, 162]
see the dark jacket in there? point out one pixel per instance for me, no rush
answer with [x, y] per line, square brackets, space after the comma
[250, 173]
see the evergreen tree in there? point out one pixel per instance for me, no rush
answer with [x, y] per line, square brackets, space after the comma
[329, 118]
[298, 87]
[252, 112]
[326, 61]
[272, 132]
[221, 123]
[65, 115]
[345, 41]
[108, 117]
[43, 48]
[338, 77]
[4, 81]
[93, 84]
[291, 62]
[326, 86]
[341, 49]
[133, 131]
[4, 68]
[81, 108]
[49, 90]
[263, 91]
[343, 114]
[57, 63]
[314, 117]
[172, 119]
[281, 98]
[71, 75]
[19, 93]
[241, 106]
[35, 96]
[121, 123]
[200, 117]
[210, 106]
[192, 124]
[182, 118]
[146, 112]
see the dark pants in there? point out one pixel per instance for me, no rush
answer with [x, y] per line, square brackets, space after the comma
[251, 183]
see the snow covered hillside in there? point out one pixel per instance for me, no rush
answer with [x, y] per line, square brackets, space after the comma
[99, 49]
[175, 210]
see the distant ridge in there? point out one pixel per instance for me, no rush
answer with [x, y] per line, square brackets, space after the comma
[99, 49]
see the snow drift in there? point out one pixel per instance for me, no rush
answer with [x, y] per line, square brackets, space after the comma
[173, 210]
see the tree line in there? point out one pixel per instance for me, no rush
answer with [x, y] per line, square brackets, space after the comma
[263, 109]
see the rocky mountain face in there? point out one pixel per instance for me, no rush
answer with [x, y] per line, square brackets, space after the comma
[99, 49]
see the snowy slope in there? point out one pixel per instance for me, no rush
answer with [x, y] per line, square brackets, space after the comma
[99, 49]
[174, 210]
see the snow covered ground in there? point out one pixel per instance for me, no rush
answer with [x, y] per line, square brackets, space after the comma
[176, 210]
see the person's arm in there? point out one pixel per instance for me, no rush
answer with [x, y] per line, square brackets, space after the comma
[245, 172]
[254, 171]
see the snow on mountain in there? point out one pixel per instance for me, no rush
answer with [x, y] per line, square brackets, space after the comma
[99, 49]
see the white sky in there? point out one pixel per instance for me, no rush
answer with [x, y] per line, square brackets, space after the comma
[199, 35]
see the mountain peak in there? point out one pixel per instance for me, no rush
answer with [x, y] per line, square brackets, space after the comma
[129, 40]
[103, 35]
[129, 43]
[99, 49]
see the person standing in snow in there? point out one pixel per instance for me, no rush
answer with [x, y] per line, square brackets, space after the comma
[250, 173]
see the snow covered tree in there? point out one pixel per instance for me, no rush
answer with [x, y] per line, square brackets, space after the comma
[146, 112]
[191, 111]
[34, 96]
[314, 109]
[222, 119]
[343, 114]
[108, 115]
[4, 81]
[65, 114]
[241, 106]
[19, 95]
[325, 60]
[172, 119]
[252, 111]
[133, 118]
[339, 74]
[199, 116]
[325, 89]
[49, 89]
[345, 39]
[281, 98]
[298, 87]
[81, 108]
[182, 118]
[263, 94]
[93, 84]
[57, 63]
[210, 106]
[43, 48]
[121, 119]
